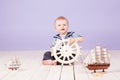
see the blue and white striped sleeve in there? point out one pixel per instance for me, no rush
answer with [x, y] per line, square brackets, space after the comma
[76, 35]
[53, 43]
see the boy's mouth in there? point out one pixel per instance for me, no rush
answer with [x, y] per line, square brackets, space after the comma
[62, 29]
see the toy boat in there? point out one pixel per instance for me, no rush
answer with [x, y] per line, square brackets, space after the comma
[14, 64]
[99, 59]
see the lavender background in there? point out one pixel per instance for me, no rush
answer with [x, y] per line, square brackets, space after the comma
[28, 24]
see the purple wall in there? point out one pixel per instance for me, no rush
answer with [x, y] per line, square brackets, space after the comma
[28, 24]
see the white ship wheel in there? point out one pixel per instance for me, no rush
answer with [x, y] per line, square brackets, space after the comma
[66, 53]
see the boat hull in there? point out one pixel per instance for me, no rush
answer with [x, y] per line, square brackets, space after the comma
[97, 67]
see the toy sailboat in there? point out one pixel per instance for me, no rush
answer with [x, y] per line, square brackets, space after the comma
[14, 63]
[99, 59]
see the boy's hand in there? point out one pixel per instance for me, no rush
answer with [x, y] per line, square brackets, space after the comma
[71, 40]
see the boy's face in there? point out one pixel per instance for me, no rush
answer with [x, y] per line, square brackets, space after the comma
[61, 26]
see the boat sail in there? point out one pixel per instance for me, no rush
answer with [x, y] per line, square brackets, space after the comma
[14, 63]
[98, 59]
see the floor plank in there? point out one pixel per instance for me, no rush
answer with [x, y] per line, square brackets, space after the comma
[19, 75]
[67, 73]
[55, 72]
[41, 73]
[80, 73]
[3, 74]
[11, 75]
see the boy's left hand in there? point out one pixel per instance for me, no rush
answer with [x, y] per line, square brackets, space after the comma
[71, 40]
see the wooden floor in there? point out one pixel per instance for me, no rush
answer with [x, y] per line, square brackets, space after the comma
[32, 69]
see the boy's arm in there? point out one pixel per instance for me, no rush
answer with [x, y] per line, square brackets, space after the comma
[73, 40]
[79, 39]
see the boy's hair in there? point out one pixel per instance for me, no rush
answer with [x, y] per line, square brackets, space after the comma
[61, 18]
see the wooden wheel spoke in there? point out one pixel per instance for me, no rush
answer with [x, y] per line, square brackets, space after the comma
[58, 53]
[58, 50]
[60, 46]
[64, 58]
[71, 56]
[63, 44]
[68, 58]
[60, 56]
[73, 52]
[74, 49]
[67, 44]
[73, 45]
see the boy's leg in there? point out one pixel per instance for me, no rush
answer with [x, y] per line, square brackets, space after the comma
[48, 59]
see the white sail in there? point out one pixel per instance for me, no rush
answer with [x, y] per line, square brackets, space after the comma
[105, 56]
[93, 58]
[99, 59]
[97, 55]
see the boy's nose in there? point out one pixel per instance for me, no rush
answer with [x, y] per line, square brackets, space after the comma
[62, 26]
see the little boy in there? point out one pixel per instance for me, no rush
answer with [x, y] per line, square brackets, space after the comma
[61, 26]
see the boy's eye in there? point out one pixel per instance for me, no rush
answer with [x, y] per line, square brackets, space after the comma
[59, 25]
[64, 24]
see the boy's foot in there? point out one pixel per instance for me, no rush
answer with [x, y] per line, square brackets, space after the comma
[49, 62]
